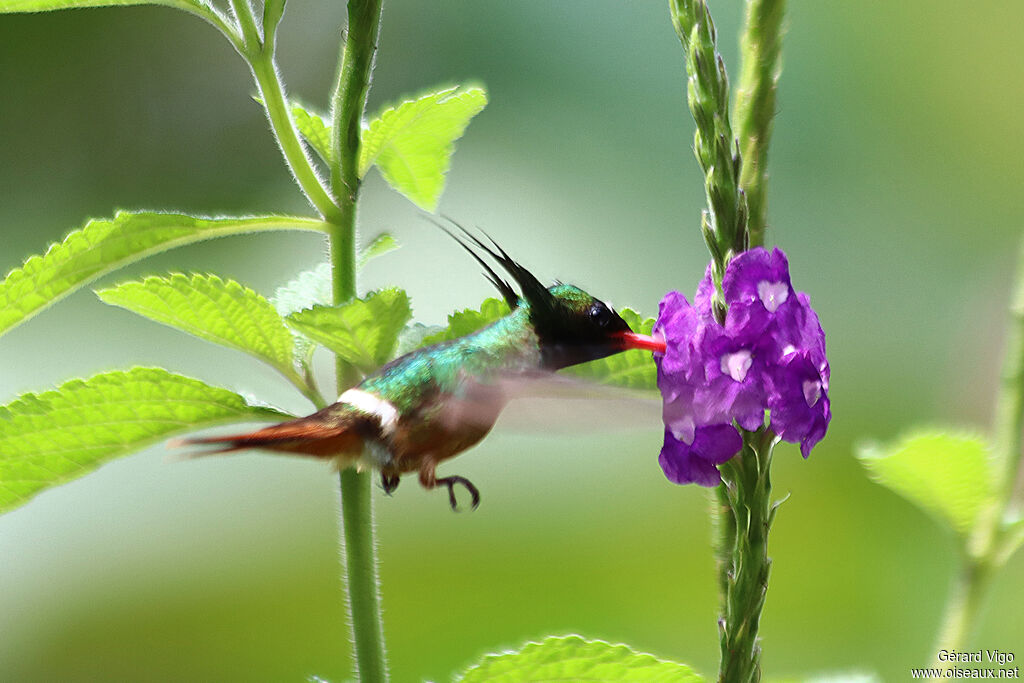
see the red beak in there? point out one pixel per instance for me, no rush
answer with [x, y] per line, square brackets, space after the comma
[632, 340]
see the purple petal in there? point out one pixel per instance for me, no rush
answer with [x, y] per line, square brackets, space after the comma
[756, 286]
[696, 463]
[769, 355]
[748, 269]
[799, 402]
[705, 290]
[679, 416]
[735, 379]
[677, 323]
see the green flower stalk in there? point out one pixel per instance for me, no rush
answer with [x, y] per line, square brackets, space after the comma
[349, 102]
[1000, 529]
[748, 488]
[337, 203]
[761, 48]
[724, 222]
[742, 511]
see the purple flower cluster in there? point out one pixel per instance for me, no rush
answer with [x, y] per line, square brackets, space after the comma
[769, 355]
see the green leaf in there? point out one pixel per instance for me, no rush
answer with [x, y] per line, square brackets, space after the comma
[571, 658]
[412, 143]
[308, 289]
[103, 246]
[634, 369]
[315, 131]
[468, 320]
[411, 338]
[948, 474]
[13, 6]
[49, 438]
[362, 332]
[223, 312]
[378, 246]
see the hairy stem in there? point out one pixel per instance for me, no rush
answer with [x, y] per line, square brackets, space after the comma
[360, 558]
[1009, 422]
[994, 537]
[747, 482]
[219, 21]
[723, 540]
[962, 607]
[349, 102]
[258, 51]
[761, 47]
[350, 89]
[724, 223]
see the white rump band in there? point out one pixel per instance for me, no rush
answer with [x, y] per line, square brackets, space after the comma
[372, 405]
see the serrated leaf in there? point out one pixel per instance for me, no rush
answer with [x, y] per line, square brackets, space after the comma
[571, 658]
[632, 369]
[411, 338]
[362, 332]
[103, 246]
[468, 320]
[378, 246]
[221, 311]
[948, 474]
[14, 6]
[315, 131]
[412, 143]
[309, 288]
[49, 438]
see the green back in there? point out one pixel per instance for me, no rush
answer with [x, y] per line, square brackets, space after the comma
[508, 345]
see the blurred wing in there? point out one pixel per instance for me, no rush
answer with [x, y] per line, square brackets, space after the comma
[546, 403]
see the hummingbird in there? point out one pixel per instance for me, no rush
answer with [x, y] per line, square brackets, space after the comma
[436, 402]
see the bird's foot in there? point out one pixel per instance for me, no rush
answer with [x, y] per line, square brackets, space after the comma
[389, 482]
[450, 482]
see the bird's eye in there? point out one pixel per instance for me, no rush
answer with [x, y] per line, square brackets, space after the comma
[600, 314]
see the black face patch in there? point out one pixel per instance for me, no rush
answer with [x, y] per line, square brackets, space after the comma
[601, 315]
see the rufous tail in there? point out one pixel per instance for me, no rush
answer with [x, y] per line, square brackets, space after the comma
[304, 436]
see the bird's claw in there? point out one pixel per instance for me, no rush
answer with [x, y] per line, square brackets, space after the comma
[451, 481]
[389, 482]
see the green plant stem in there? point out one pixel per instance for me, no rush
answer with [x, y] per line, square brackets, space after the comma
[1009, 421]
[350, 88]
[761, 47]
[994, 536]
[360, 559]
[724, 222]
[216, 18]
[306, 385]
[259, 54]
[962, 608]
[747, 482]
[338, 209]
[348, 105]
[723, 541]
[272, 93]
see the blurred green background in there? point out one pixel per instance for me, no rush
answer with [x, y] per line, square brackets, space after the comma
[896, 172]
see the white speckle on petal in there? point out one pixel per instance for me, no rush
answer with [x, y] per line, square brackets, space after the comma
[683, 429]
[812, 392]
[772, 294]
[737, 364]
